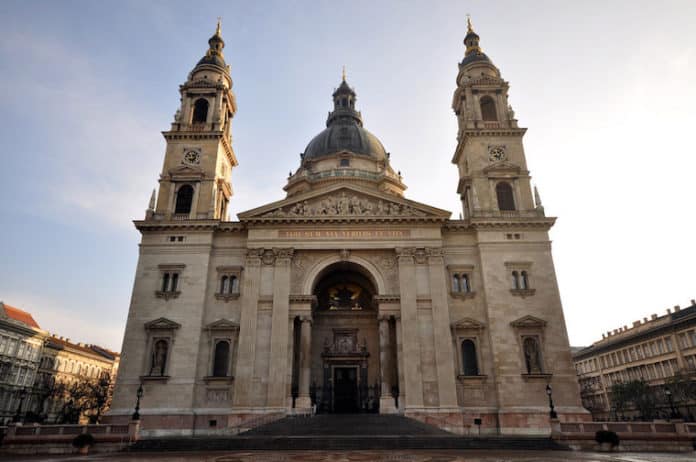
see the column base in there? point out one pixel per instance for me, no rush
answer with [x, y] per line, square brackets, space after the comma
[303, 403]
[386, 405]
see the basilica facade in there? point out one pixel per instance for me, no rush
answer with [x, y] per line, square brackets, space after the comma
[345, 296]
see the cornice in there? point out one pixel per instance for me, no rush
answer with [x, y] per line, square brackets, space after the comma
[189, 225]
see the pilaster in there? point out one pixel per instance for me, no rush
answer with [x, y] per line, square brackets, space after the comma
[279, 328]
[413, 377]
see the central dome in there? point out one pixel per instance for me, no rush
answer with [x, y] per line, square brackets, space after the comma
[350, 137]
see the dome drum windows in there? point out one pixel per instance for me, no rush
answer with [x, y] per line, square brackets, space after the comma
[229, 279]
[460, 278]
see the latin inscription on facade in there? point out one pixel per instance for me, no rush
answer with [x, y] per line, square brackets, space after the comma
[345, 234]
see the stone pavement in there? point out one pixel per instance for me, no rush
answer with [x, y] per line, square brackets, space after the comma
[369, 456]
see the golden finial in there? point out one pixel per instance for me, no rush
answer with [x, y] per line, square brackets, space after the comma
[218, 31]
[343, 74]
[469, 27]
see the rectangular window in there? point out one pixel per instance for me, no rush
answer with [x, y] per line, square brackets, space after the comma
[646, 350]
[693, 337]
[683, 341]
[668, 344]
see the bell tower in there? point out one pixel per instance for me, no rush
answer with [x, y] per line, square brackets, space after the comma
[493, 176]
[195, 179]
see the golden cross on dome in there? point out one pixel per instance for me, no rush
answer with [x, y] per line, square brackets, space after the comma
[219, 23]
[469, 27]
[343, 74]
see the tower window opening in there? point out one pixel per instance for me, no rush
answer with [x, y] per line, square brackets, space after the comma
[488, 111]
[524, 280]
[515, 280]
[200, 111]
[184, 199]
[345, 163]
[506, 200]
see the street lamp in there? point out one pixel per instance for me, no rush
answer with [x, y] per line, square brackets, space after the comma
[139, 394]
[552, 413]
[18, 415]
[675, 414]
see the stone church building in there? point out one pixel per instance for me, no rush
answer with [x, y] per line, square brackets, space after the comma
[345, 296]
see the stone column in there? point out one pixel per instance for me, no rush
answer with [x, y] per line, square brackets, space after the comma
[444, 356]
[279, 329]
[303, 399]
[246, 351]
[400, 363]
[413, 376]
[386, 400]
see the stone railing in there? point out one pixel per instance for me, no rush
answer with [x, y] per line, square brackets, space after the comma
[57, 434]
[639, 436]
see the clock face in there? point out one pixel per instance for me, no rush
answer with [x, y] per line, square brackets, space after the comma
[192, 157]
[496, 153]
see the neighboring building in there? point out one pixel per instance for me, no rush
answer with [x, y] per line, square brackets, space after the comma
[65, 362]
[345, 294]
[31, 358]
[21, 343]
[653, 350]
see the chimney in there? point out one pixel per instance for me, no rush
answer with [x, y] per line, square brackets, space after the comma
[669, 310]
[677, 308]
[604, 336]
[636, 323]
[653, 316]
[693, 302]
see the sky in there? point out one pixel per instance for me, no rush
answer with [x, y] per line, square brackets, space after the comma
[606, 89]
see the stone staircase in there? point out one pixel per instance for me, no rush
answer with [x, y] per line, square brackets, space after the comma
[344, 432]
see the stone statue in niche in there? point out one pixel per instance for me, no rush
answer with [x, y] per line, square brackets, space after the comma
[532, 356]
[159, 358]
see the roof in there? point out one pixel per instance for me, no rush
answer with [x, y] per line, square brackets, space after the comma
[63, 343]
[19, 315]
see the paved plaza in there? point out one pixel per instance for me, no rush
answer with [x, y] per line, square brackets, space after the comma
[370, 456]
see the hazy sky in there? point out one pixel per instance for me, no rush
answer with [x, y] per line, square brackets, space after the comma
[606, 88]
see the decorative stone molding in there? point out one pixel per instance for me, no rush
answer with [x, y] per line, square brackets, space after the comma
[528, 322]
[161, 324]
[222, 325]
[167, 295]
[469, 324]
[171, 267]
[387, 298]
[303, 299]
[523, 292]
[345, 254]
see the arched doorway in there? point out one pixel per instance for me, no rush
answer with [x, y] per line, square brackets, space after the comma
[345, 369]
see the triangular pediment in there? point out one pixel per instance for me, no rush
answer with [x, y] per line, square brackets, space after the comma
[468, 323]
[162, 324]
[344, 203]
[222, 324]
[528, 321]
[503, 167]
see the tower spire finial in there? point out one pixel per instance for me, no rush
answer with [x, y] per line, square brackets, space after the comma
[469, 27]
[343, 74]
[218, 29]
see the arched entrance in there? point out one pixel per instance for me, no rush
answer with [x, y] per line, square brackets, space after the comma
[345, 368]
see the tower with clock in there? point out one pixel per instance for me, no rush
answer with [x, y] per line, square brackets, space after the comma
[195, 178]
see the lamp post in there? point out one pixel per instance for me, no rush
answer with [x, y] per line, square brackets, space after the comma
[552, 412]
[18, 415]
[139, 394]
[675, 414]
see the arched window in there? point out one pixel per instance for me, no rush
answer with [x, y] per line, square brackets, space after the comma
[175, 282]
[234, 284]
[165, 282]
[464, 283]
[221, 359]
[506, 200]
[488, 111]
[158, 361]
[532, 355]
[524, 281]
[200, 111]
[455, 283]
[225, 285]
[184, 199]
[469, 357]
[515, 280]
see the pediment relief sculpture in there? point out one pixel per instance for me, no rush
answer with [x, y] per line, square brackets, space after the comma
[344, 205]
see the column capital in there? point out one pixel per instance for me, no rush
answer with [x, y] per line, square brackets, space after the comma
[383, 317]
[405, 254]
[306, 318]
